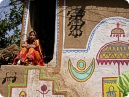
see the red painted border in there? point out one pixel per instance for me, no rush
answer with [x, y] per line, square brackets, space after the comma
[97, 57]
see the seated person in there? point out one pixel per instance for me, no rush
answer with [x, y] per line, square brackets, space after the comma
[31, 52]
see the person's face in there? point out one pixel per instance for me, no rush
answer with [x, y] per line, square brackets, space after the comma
[32, 36]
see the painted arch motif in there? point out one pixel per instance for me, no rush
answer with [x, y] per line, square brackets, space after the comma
[116, 52]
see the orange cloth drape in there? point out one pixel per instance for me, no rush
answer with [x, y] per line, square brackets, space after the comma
[32, 54]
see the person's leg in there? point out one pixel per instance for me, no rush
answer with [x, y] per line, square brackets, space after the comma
[30, 57]
[23, 53]
[38, 60]
[20, 57]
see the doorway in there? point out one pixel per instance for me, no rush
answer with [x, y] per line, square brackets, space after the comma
[44, 25]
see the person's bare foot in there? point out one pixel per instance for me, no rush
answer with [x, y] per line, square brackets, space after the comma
[19, 62]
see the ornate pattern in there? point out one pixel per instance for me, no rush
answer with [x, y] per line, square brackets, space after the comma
[109, 87]
[116, 52]
[82, 75]
[34, 82]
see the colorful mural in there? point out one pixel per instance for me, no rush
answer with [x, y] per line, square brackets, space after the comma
[44, 90]
[104, 42]
[35, 85]
[82, 74]
[109, 87]
[108, 41]
[116, 51]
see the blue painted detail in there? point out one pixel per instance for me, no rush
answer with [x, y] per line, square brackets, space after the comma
[92, 35]
[81, 64]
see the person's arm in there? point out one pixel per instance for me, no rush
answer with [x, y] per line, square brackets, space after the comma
[31, 46]
[24, 44]
[39, 47]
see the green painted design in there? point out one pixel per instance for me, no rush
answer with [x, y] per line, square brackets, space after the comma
[84, 75]
[81, 64]
[123, 83]
[81, 75]
[41, 77]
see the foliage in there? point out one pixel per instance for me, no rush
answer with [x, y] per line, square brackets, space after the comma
[12, 19]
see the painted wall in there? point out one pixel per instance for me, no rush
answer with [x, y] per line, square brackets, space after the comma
[91, 50]
[92, 46]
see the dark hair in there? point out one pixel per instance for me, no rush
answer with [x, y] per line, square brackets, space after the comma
[28, 39]
[33, 32]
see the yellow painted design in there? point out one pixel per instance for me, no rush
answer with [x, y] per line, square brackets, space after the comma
[121, 55]
[105, 49]
[124, 48]
[82, 75]
[104, 54]
[120, 48]
[101, 56]
[110, 48]
[112, 56]
[117, 48]
[124, 56]
[118, 56]
[84, 64]
[127, 54]
[107, 56]
[109, 85]
[115, 55]
[115, 51]
[22, 94]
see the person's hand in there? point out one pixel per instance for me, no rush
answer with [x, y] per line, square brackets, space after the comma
[24, 45]
[28, 46]
[31, 46]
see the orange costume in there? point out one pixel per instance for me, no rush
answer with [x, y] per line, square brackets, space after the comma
[32, 54]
